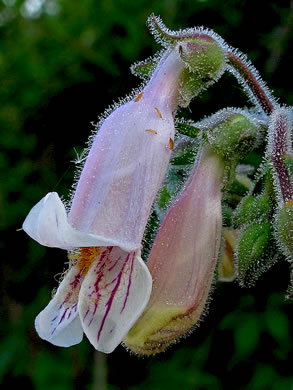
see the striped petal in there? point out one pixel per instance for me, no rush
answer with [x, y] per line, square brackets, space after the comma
[128, 161]
[114, 293]
[59, 322]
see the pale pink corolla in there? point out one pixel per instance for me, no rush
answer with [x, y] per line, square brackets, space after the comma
[183, 260]
[108, 286]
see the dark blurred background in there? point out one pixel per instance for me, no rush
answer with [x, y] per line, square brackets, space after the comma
[62, 63]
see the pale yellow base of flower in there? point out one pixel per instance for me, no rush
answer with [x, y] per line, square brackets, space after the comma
[159, 327]
[226, 268]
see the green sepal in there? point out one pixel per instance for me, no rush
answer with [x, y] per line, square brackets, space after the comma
[185, 157]
[203, 56]
[234, 137]
[161, 32]
[185, 128]
[251, 208]
[253, 252]
[205, 63]
[200, 50]
[144, 69]
[239, 184]
[284, 229]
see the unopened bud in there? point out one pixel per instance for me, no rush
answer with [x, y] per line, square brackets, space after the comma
[251, 208]
[285, 229]
[233, 135]
[252, 253]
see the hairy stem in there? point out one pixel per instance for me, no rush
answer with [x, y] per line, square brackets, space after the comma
[279, 149]
[252, 81]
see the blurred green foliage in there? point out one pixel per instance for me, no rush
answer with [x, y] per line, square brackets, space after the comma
[62, 63]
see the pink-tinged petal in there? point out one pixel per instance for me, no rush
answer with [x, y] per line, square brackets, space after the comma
[128, 161]
[47, 224]
[59, 322]
[113, 295]
[185, 252]
[182, 261]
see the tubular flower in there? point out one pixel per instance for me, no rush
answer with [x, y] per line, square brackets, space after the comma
[108, 285]
[183, 260]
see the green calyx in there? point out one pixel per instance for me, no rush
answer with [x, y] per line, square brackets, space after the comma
[251, 209]
[201, 53]
[205, 63]
[186, 128]
[203, 56]
[285, 228]
[234, 137]
[253, 253]
[144, 69]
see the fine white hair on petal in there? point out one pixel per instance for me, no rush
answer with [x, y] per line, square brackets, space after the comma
[113, 295]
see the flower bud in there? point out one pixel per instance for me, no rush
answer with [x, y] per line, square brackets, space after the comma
[252, 253]
[231, 133]
[251, 208]
[284, 229]
[183, 260]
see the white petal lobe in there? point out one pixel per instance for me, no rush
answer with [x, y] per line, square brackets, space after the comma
[59, 322]
[47, 224]
[112, 297]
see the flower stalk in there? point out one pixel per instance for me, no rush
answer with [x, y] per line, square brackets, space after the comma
[251, 80]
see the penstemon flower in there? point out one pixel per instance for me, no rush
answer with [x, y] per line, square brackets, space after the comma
[109, 293]
[108, 285]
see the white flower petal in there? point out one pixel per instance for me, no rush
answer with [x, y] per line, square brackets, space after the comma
[59, 322]
[128, 161]
[113, 295]
[47, 224]
[123, 173]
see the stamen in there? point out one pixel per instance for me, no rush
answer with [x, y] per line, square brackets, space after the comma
[171, 144]
[86, 257]
[151, 131]
[159, 112]
[138, 97]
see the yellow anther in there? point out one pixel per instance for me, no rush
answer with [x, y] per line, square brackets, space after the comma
[171, 144]
[84, 257]
[158, 112]
[151, 131]
[138, 97]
